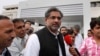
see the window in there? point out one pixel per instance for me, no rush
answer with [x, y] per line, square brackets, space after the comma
[95, 4]
[98, 4]
[93, 18]
[7, 8]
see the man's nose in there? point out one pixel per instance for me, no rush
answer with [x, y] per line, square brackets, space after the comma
[56, 19]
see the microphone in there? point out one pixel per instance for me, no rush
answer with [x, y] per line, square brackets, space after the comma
[68, 40]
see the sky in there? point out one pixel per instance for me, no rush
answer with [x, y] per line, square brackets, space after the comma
[8, 2]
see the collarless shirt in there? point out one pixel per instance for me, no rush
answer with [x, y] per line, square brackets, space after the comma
[33, 46]
[78, 41]
[16, 46]
[90, 48]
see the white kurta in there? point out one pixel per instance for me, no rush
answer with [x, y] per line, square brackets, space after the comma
[16, 46]
[33, 46]
[78, 41]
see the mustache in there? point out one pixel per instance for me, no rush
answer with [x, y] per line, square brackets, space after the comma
[56, 23]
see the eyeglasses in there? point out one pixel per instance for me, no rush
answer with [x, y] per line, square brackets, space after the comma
[53, 17]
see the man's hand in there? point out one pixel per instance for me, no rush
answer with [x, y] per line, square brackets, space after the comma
[73, 51]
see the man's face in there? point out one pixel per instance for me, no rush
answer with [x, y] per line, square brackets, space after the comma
[20, 29]
[6, 33]
[89, 33]
[64, 31]
[96, 31]
[53, 22]
[72, 37]
[27, 27]
[75, 31]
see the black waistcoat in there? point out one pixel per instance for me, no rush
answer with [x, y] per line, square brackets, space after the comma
[49, 44]
[7, 53]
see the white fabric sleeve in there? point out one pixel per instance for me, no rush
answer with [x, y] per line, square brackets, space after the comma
[67, 49]
[14, 50]
[32, 47]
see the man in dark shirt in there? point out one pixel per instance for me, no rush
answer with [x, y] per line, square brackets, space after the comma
[47, 41]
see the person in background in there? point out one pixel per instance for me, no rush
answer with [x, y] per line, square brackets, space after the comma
[19, 41]
[7, 35]
[28, 28]
[91, 46]
[31, 31]
[78, 38]
[63, 30]
[28, 22]
[47, 41]
[69, 52]
[89, 33]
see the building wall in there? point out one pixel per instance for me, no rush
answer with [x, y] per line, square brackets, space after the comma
[95, 12]
[11, 11]
[67, 10]
[95, 8]
[34, 4]
[46, 3]
[94, 0]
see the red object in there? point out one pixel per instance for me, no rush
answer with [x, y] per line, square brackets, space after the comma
[68, 40]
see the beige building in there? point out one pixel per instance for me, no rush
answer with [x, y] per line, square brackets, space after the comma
[75, 12]
[95, 8]
[10, 11]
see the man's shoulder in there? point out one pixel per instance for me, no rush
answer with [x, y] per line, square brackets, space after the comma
[79, 35]
[41, 31]
[16, 39]
[88, 40]
[33, 36]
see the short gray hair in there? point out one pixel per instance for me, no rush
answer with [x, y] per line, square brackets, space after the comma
[77, 27]
[47, 14]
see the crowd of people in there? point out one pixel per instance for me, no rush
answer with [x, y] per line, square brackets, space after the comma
[17, 37]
